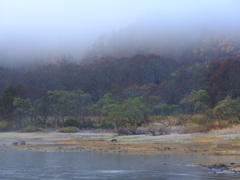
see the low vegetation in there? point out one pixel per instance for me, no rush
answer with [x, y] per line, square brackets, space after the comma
[31, 128]
[156, 95]
[4, 126]
[68, 130]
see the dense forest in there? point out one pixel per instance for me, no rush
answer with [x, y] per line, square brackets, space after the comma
[126, 87]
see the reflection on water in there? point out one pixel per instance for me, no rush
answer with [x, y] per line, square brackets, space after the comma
[19, 165]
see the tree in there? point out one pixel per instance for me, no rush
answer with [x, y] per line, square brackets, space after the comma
[54, 109]
[115, 114]
[66, 103]
[61, 103]
[136, 112]
[43, 107]
[222, 79]
[162, 109]
[6, 102]
[25, 111]
[227, 109]
[166, 110]
[195, 102]
[82, 103]
[176, 109]
[131, 113]
[96, 109]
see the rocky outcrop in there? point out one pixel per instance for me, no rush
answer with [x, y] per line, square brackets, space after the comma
[22, 142]
[15, 143]
[230, 166]
[19, 142]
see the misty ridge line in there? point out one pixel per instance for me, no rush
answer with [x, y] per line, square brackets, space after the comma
[157, 33]
[217, 45]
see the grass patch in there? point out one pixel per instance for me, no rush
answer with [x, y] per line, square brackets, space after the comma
[31, 128]
[69, 129]
[4, 126]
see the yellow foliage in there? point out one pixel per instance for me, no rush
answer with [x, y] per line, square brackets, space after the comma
[195, 51]
[229, 48]
[202, 49]
[206, 41]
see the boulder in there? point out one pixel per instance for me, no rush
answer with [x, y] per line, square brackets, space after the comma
[15, 143]
[23, 142]
[167, 148]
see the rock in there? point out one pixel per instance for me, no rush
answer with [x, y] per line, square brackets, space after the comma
[158, 148]
[15, 143]
[4, 146]
[193, 150]
[167, 148]
[221, 166]
[23, 143]
[114, 140]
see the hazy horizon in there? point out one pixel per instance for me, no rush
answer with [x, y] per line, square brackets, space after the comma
[46, 30]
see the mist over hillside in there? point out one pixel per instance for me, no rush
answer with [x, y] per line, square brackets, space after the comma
[183, 38]
[35, 33]
[119, 65]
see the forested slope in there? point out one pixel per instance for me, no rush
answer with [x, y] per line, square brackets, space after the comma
[177, 79]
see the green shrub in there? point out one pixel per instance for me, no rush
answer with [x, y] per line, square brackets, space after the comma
[69, 129]
[71, 122]
[39, 122]
[234, 120]
[104, 124]
[31, 128]
[96, 125]
[4, 126]
[198, 119]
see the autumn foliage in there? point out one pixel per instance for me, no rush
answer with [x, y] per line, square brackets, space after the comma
[124, 89]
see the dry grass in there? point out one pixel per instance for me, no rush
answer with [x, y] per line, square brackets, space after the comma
[183, 144]
[206, 128]
[165, 120]
[235, 129]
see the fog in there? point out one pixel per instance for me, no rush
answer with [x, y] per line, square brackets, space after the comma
[42, 31]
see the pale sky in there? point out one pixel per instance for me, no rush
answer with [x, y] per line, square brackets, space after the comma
[30, 29]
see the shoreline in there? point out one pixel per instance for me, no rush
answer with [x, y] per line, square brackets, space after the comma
[204, 144]
[173, 143]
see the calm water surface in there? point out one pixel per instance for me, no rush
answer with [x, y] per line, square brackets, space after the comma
[25, 165]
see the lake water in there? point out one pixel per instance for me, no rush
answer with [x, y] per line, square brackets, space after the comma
[27, 165]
